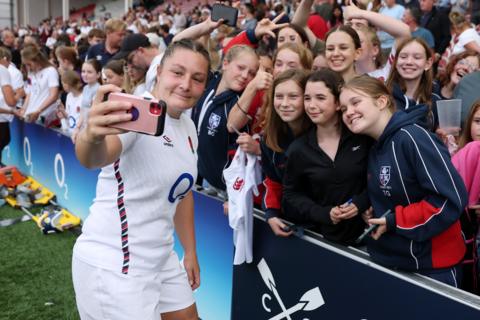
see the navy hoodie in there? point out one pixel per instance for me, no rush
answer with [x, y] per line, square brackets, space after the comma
[273, 167]
[410, 173]
[402, 102]
[216, 146]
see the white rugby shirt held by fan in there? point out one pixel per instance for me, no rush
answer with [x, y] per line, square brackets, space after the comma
[241, 178]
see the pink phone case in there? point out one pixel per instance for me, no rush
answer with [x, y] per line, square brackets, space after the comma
[148, 116]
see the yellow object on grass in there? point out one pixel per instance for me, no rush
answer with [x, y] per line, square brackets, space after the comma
[42, 194]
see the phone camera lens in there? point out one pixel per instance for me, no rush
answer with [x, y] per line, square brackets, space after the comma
[155, 109]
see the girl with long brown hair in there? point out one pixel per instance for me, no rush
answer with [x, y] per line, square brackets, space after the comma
[411, 80]
[284, 119]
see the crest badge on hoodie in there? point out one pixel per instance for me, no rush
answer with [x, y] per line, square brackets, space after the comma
[213, 123]
[384, 175]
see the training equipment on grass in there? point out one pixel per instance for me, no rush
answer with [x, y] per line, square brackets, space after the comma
[36, 193]
[25, 192]
[55, 219]
[11, 177]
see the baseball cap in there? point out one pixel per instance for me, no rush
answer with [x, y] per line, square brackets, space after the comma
[131, 43]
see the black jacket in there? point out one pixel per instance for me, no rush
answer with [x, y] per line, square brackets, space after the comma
[314, 184]
[439, 25]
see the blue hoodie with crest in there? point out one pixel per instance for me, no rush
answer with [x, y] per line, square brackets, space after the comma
[216, 146]
[410, 173]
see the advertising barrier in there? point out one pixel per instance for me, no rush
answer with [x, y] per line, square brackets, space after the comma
[310, 278]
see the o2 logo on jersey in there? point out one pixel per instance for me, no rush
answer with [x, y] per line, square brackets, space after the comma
[181, 187]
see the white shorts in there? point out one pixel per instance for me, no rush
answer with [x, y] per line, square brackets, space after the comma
[106, 295]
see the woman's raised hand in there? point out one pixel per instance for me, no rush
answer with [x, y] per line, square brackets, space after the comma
[101, 116]
[212, 25]
[351, 11]
[267, 26]
[263, 80]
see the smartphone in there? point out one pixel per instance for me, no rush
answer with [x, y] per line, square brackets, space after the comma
[148, 115]
[228, 14]
[371, 228]
[288, 228]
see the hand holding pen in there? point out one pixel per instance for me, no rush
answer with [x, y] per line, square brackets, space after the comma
[348, 210]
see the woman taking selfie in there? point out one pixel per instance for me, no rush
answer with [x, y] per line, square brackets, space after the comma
[143, 196]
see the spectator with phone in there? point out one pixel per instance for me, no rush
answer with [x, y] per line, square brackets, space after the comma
[127, 239]
[325, 176]
[409, 173]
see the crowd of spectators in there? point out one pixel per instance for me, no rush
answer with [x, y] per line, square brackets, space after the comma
[262, 97]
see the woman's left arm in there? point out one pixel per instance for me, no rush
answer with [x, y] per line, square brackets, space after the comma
[185, 229]
[445, 194]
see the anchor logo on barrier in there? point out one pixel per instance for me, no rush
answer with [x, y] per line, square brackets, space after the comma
[310, 300]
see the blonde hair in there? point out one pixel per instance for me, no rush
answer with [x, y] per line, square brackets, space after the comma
[113, 25]
[236, 50]
[457, 20]
[371, 34]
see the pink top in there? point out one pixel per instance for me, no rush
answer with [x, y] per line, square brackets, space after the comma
[466, 161]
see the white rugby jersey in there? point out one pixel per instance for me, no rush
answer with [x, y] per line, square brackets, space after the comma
[130, 226]
[73, 109]
[241, 178]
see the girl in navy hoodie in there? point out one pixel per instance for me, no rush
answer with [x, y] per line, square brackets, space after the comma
[411, 80]
[411, 178]
[211, 113]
